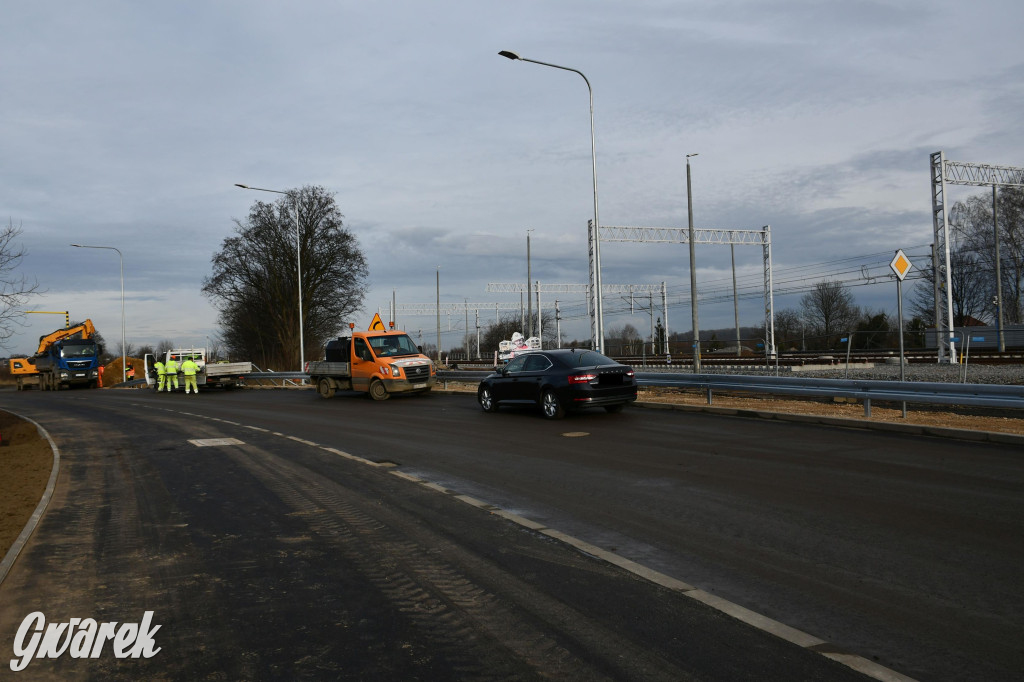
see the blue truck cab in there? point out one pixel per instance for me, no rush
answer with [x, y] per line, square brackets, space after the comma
[69, 362]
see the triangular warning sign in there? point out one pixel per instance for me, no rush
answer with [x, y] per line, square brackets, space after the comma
[378, 324]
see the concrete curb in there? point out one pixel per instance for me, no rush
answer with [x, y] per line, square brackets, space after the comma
[33, 521]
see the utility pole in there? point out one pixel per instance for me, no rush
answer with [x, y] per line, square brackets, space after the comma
[693, 270]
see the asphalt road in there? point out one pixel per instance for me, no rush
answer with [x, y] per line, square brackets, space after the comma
[283, 557]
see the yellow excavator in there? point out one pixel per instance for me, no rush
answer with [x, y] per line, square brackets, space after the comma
[24, 372]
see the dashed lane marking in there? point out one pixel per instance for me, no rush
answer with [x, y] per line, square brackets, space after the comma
[210, 442]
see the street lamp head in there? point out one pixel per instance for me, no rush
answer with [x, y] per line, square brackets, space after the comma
[241, 185]
[694, 154]
[78, 245]
[508, 54]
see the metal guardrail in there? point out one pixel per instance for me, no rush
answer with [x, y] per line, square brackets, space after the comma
[926, 392]
[276, 375]
[270, 376]
[283, 377]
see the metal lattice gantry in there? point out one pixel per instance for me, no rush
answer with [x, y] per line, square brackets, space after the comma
[538, 288]
[675, 235]
[945, 172]
[449, 309]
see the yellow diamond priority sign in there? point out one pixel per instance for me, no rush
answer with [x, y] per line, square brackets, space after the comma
[900, 264]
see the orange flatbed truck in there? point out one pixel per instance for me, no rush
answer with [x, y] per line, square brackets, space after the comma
[378, 362]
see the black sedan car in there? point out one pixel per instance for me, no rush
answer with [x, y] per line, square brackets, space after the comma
[559, 380]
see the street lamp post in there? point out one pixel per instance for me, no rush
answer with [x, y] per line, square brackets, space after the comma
[124, 349]
[693, 270]
[1000, 341]
[598, 305]
[298, 265]
[437, 290]
[529, 290]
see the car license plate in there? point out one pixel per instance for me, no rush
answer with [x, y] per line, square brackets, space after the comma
[419, 385]
[80, 374]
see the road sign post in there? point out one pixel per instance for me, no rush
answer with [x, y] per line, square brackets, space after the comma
[900, 266]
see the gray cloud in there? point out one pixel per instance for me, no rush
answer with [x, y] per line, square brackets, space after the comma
[128, 124]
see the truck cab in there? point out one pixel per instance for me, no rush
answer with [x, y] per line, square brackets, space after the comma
[69, 362]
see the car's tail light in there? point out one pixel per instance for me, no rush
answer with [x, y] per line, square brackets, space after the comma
[630, 374]
[581, 378]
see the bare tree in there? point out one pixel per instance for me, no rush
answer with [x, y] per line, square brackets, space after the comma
[971, 288]
[874, 330]
[15, 289]
[508, 324]
[625, 339]
[975, 227]
[129, 350]
[829, 310]
[789, 330]
[255, 285]
[213, 352]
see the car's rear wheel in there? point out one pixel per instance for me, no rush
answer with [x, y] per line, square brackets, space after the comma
[486, 400]
[551, 406]
[614, 408]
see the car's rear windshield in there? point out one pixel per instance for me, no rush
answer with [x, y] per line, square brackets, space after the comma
[587, 358]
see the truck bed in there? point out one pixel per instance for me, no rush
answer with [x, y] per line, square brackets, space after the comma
[215, 369]
[324, 368]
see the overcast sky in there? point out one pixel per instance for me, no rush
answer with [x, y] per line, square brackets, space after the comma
[127, 124]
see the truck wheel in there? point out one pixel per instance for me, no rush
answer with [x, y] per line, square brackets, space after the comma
[378, 391]
[325, 388]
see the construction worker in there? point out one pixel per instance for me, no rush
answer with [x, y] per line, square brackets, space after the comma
[129, 372]
[171, 369]
[161, 374]
[189, 368]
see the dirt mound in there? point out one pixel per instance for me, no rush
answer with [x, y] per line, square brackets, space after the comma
[112, 370]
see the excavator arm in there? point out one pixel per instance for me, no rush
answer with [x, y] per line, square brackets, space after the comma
[85, 330]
